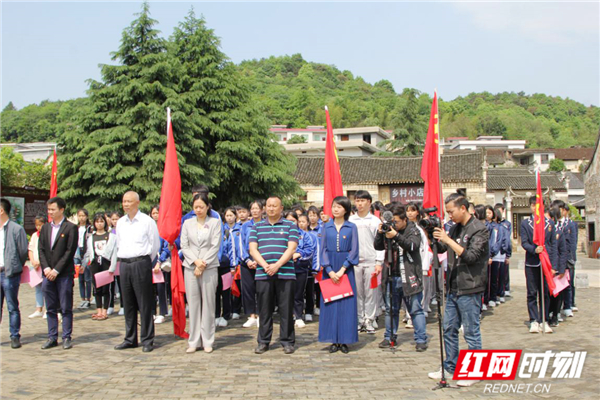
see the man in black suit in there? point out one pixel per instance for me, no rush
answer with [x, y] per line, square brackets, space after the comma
[57, 247]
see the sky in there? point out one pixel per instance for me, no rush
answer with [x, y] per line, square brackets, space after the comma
[50, 49]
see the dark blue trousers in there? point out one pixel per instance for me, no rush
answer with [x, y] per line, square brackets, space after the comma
[534, 295]
[58, 295]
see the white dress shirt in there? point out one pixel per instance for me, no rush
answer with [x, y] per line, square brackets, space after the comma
[2, 240]
[137, 237]
[367, 230]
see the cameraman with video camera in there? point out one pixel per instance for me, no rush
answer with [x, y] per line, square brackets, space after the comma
[401, 237]
[467, 246]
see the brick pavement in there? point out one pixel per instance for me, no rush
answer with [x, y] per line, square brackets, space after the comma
[93, 370]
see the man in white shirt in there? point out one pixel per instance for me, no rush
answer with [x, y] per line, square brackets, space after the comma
[137, 242]
[370, 261]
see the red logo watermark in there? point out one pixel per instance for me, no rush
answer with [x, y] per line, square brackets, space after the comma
[487, 364]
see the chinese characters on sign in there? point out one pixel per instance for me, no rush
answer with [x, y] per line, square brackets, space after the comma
[406, 194]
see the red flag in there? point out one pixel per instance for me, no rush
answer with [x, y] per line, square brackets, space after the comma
[539, 234]
[53, 180]
[169, 224]
[430, 166]
[333, 176]
[235, 290]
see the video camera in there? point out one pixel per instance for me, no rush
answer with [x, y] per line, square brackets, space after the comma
[388, 223]
[429, 224]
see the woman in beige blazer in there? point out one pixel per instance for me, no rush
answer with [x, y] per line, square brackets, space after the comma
[200, 241]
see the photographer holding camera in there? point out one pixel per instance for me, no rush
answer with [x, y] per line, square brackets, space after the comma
[467, 246]
[406, 280]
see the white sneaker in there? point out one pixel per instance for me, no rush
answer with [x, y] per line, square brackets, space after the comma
[84, 304]
[434, 302]
[170, 312]
[122, 311]
[492, 304]
[308, 318]
[534, 327]
[484, 307]
[369, 327]
[409, 324]
[560, 318]
[110, 311]
[159, 319]
[223, 323]
[502, 300]
[299, 323]
[45, 315]
[36, 314]
[251, 322]
[466, 383]
[507, 293]
[568, 313]
[575, 309]
[235, 316]
[547, 328]
[93, 302]
[375, 324]
[437, 375]
[317, 311]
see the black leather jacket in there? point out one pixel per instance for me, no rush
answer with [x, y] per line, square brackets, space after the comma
[409, 240]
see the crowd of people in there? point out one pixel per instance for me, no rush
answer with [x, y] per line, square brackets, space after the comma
[263, 260]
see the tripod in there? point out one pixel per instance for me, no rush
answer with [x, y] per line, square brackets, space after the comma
[443, 383]
[389, 282]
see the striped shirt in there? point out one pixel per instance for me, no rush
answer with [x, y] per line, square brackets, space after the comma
[272, 243]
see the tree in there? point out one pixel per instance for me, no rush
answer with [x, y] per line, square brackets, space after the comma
[12, 163]
[117, 141]
[556, 165]
[297, 139]
[408, 138]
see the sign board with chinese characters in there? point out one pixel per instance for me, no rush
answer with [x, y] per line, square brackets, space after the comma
[406, 193]
[26, 204]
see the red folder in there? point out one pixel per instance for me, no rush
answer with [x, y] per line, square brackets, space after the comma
[332, 291]
[375, 280]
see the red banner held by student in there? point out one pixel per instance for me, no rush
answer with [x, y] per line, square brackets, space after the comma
[169, 225]
[333, 176]
[430, 166]
[539, 233]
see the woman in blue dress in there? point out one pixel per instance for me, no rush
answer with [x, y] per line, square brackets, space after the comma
[339, 255]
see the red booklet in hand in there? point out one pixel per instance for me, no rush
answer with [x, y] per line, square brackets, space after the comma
[336, 291]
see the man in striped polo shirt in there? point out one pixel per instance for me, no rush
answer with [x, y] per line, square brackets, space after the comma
[272, 245]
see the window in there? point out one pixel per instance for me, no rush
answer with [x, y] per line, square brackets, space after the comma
[319, 137]
[367, 138]
[344, 138]
[545, 158]
[351, 194]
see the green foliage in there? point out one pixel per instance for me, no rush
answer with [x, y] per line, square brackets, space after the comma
[556, 165]
[116, 141]
[575, 216]
[297, 139]
[17, 172]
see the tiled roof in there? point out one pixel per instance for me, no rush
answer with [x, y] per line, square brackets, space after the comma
[574, 153]
[521, 179]
[576, 181]
[391, 170]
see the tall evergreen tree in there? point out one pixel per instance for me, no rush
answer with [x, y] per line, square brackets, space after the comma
[243, 159]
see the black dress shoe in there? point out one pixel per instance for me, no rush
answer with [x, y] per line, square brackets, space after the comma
[67, 344]
[333, 348]
[49, 344]
[125, 345]
[344, 348]
[261, 348]
[289, 349]
[148, 348]
[15, 342]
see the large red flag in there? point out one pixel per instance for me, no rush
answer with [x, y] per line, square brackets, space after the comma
[53, 179]
[430, 166]
[169, 225]
[539, 233]
[333, 176]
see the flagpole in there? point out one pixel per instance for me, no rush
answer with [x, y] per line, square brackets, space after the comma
[437, 113]
[543, 222]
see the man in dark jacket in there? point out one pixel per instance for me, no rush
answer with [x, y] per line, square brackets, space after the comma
[13, 254]
[406, 280]
[467, 246]
[57, 247]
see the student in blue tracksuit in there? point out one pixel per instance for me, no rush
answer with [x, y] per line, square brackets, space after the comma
[560, 267]
[235, 256]
[222, 315]
[248, 266]
[302, 263]
[495, 241]
[533, 275]
[569, 229]
[162, 290]
[504, 276]
[497, 267]
[313, 290]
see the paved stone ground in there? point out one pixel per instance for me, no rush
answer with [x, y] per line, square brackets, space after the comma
[92, 369]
